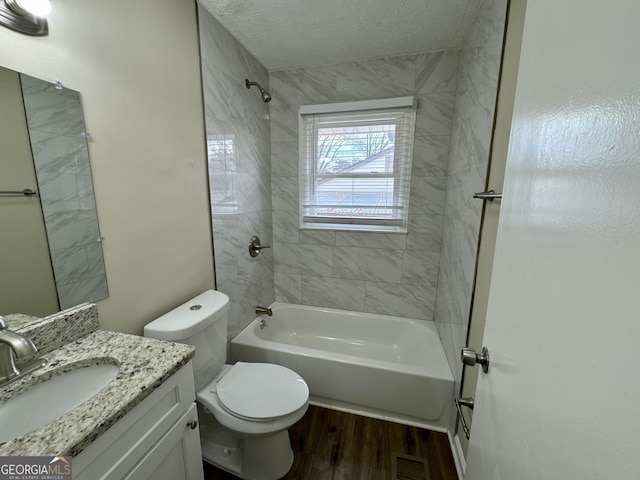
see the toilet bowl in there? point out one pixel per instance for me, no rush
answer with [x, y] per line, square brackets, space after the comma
[256, 404]
[245, 409]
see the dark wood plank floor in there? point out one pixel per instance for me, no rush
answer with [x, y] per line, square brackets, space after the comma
[332, 445]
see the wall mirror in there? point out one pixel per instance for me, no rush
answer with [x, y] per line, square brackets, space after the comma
[50, 243]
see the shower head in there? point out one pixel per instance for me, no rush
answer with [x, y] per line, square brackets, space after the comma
[266, 96]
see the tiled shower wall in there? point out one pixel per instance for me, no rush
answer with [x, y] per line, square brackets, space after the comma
[237, 123]
[56, 126]
[392, 274]
[475, 101]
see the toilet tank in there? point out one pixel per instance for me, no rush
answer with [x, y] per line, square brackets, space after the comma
[201, 322]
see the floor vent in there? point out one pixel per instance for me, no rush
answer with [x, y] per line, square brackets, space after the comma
[406, 467]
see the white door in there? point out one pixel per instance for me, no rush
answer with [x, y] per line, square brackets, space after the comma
[562, 397]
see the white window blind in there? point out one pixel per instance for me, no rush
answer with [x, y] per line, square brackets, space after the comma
[355, 164]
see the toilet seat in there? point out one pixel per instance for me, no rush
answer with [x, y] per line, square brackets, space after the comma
[261, 391]
[256, 392]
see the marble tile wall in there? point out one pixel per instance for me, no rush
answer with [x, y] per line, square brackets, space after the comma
[238, 144]
[61, 157]
[474, 109]
[391, 274]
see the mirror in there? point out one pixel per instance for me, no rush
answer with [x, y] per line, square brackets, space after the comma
[50, 245]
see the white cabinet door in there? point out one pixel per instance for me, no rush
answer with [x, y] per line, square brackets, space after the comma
[562, 397]
[177, 456]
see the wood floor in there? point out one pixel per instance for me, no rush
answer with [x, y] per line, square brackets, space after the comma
[331, 445]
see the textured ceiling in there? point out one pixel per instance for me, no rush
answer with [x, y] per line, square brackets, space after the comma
[300, 33]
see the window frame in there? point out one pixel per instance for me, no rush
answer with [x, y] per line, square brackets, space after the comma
[404, 110]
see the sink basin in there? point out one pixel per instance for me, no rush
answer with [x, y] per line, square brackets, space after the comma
[46, 401]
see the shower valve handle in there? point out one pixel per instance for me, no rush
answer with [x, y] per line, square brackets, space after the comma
[255, 247]
[470, 357]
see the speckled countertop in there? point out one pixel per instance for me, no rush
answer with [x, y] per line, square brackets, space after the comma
[144, 365]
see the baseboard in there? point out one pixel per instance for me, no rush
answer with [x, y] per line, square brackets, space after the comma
[458, 456]
[375, 413]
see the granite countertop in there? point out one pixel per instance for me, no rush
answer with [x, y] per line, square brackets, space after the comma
[18, 320]
[144, 365]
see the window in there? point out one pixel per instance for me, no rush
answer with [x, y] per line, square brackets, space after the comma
[223, 164]
[355, 165]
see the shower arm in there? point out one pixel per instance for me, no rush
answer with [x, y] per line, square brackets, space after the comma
[266, 96]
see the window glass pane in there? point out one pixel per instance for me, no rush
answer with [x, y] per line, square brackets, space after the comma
[355, 148]
[223, 165]
[347, 156]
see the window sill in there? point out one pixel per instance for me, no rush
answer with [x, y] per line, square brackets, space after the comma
[341, 227]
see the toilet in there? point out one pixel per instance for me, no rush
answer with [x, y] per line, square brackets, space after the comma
[245, 409]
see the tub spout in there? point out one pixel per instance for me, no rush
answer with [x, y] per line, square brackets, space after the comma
[264, 311]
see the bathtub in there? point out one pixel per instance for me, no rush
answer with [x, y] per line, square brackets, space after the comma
[373, 365]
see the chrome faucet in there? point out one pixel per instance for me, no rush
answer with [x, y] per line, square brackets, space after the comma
[14, 348]
[264, 311]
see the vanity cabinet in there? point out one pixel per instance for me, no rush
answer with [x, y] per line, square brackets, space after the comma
[159, 439]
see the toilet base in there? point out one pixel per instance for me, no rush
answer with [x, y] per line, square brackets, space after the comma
[267, 457]
[223, 450]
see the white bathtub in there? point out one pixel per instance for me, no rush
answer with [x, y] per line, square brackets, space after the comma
[375, 365]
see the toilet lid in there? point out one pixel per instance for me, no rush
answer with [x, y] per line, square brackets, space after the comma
[261, 391]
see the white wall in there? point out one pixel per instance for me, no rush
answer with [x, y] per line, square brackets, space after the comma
[136, 65]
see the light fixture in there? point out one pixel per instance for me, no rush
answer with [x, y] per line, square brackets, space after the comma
[25, 16]
[37, 8]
